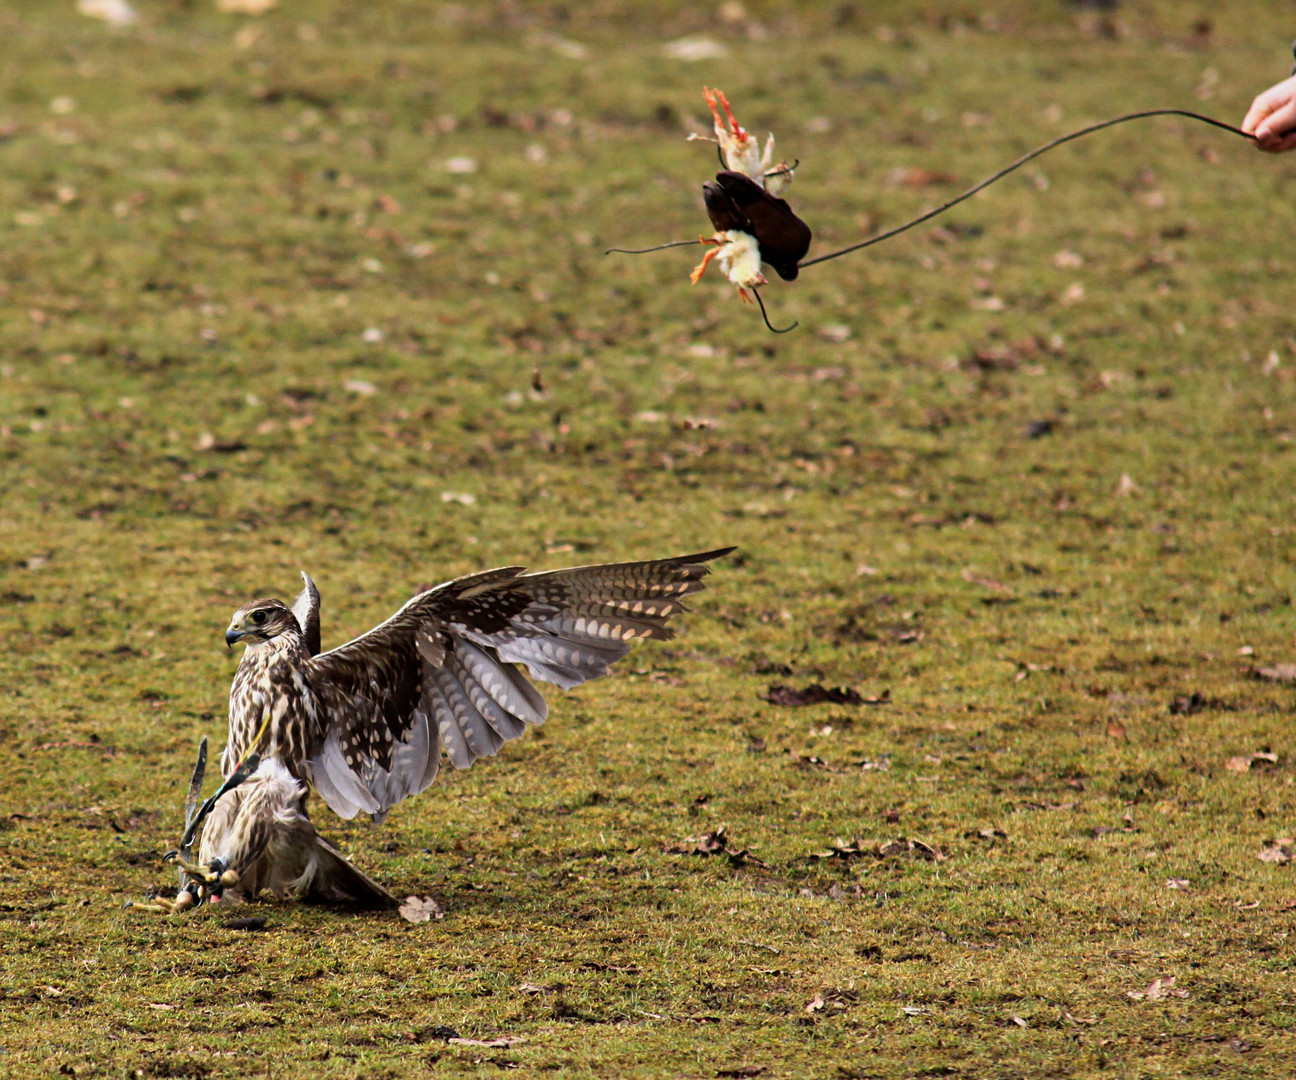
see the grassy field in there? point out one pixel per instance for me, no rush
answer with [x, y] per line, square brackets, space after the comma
[325, 290]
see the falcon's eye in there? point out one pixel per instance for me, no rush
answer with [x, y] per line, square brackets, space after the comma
[258, 617]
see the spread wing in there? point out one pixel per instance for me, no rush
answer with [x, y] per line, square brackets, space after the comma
[440, 671]
[306, 609]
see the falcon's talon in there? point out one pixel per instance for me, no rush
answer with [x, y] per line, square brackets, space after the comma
[185, 899]
[207, 874]
[156, 907]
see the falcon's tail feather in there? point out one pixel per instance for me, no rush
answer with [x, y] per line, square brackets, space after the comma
[337, 880]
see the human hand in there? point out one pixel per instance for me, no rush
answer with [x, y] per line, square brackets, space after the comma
[1272, 118]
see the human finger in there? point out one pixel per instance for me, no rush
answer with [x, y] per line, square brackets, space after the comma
[1271, 132]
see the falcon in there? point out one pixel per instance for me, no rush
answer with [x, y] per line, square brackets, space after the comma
[365, 724]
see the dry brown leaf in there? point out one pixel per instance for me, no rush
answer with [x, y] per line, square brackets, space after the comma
[1278, 852]
[695, 47]
[903, 846]
[1276, 673]
[914, 177]
[421, 909]
[208, 442]
[832, 1001]
[815, 694]
[1163, 986]
[245, 7]
[1190, 704]
[1243, 762]
[973, 578]
[713, 843]
[842, 849]
[113, 12]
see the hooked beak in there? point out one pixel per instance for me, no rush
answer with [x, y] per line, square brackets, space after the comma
[232, 636]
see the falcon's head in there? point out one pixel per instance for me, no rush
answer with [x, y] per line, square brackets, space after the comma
[259, 621]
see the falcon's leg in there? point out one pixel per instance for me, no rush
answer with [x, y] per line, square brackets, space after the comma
[215, 876]
[188, 897]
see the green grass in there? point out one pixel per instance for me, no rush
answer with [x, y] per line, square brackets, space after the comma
[190, 256]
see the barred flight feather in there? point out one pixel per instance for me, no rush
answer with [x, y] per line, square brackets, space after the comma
[365, 722]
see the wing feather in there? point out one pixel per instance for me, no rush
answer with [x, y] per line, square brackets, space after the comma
[440, 671]
[563, 661]
[338, 784]
[465, 732]
[403, 776]
[306, 610]
[481, 677]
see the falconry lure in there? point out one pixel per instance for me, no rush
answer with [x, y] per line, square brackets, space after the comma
[365, 724]
[754, 225]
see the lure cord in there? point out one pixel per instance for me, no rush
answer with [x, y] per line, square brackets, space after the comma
[1017, 165]
[764, 315]
[1024, 159]
[655, 247]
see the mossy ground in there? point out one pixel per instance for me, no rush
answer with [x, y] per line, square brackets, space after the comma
[202, 217]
